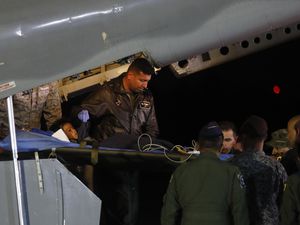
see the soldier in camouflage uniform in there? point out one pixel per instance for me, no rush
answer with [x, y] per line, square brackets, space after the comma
[206, 190]
[264, 176]
[30, 106]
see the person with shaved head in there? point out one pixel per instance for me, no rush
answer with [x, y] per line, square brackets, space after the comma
[290, 209]
[290, 160]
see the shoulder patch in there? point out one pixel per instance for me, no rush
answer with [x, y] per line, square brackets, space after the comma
[284, 186]
[171, 179]
[241, 180]
[118, 102]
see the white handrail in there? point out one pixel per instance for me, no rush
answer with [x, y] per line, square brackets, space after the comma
[14, 147]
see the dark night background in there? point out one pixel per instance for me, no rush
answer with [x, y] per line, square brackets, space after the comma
[230, 91]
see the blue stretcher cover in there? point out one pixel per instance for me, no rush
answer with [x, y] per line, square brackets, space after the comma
[33, 141]
[38, 140]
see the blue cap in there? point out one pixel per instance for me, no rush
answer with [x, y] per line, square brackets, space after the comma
[211, 130]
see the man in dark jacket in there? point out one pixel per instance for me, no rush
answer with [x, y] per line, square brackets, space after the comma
[123, 105]
[206, 190]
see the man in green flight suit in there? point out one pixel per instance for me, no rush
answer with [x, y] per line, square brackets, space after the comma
[206, 190]
[290, 207]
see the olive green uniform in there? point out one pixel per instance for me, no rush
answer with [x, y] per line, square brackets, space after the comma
[206, 191]
[290, 208]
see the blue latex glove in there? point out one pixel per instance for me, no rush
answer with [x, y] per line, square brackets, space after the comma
[84, 115]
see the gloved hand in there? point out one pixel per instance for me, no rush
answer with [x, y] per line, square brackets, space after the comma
[84, 115]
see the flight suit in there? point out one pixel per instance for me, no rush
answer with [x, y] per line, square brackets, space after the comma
[30, 106]
[290, 208]
[206, 191]
[112, 110]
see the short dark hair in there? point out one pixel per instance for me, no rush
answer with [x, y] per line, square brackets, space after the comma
[255, 127]
[226, 125]
[142, 65]
[58, 124]
[253, 130]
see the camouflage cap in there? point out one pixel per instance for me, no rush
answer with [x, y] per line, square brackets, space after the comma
[279, 139]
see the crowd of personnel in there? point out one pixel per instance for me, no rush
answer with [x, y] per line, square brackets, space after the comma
[251, 187]
[124, 105]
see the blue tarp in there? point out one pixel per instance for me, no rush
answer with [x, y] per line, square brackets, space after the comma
[32, 141]
[38, 140]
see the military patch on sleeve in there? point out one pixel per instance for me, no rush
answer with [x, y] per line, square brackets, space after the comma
[241, 180]
[171, 179]
[284, 186]
[118, 102]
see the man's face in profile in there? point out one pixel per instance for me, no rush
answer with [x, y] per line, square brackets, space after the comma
[228, 141]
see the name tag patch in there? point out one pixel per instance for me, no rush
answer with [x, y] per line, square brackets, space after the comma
[145, 104]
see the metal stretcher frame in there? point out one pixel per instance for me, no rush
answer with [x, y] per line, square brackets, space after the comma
[115, 158]
[110, 157]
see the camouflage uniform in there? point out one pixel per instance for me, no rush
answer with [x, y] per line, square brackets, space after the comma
[264, 178]
[30, 106]
[290, 208]
[205, 190]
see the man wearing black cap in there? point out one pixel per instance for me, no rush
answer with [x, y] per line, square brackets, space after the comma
[264, 176]
[206, 190]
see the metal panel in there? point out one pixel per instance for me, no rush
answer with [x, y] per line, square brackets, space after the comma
[59, 198]
[42, 41]
[236, 50]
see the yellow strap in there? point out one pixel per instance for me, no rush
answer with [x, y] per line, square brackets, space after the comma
[94, 156]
